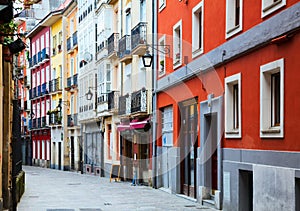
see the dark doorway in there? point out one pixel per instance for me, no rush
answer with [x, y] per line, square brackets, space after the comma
[188, 146]
[143, 158]
[72, 154]
[297, 193]
[59, 155]
[245, 190]
[127, 157]
[210, 151]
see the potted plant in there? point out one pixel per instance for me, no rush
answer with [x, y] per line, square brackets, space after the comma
[162, 64]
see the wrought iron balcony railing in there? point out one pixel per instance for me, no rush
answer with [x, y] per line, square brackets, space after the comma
[113, 43]
[124, 46]
[74, 39]
[75, 81]
[139, 101]
[112, 100]
[139, 35]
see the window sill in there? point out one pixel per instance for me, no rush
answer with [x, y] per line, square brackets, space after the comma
[197, 52]
[233, 134]
[272, 5]
[233, 31]
[270, 130]
[177, 64]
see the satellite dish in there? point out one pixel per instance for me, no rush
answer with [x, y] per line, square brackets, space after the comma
[87, 56]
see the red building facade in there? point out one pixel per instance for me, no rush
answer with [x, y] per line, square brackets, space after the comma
[227, 126]
[39, 64]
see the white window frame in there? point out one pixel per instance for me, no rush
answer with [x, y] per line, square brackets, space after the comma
[230, 131]
[269, 6]
[196, 51]
[162, 56]
[231, 28]
[175, 27]
[161, 5]
[266, 128]
[167, 126]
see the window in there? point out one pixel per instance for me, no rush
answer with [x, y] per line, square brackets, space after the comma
[162, 4]
[162, 56]
[233, 106]
[71, 66]
[128, 22]
[197, 36]
[271, 99]
[143, 10]
[54, 45]
[269, 6]
[177, 44]
[234, 9]
[167, 126]
[108, 78]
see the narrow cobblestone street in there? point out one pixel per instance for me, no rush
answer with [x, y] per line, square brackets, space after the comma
[52, 190]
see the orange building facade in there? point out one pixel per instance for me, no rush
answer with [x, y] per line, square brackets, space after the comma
[226, 102]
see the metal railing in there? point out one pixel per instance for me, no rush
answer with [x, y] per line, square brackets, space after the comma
[139, 35]
[122, 105]
[113, 43]
[75, 81]
[124, 46]
[74, 39]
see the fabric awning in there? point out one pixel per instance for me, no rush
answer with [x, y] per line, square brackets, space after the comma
[123, 127]
[139, 124]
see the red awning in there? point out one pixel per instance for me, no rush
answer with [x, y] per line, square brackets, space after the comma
[122, 127]
[139, 124]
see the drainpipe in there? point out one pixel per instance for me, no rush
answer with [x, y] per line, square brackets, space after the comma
[154, 96]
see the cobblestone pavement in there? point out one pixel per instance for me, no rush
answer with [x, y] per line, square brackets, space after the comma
[53, 190]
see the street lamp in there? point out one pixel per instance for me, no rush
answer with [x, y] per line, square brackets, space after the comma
[89, 94]
[148, 58]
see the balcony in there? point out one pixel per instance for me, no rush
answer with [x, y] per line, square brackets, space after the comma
[30, 62]
[55, 119]
[101, 50]
[75, 81]
[72, 120]
[44, 89]
[39, 91]
[58, 84]
[74, 39]
[51, 86]
[125, 48]
[69, 44]
[122, 105]
[139, 39]
[55, 85]
[39, 123]
[112, 100]
[33, 126]
[113, 46]
[45, 54]
[33, 94]
[69, 82]
[44, 123]
[34, 60]
[30, 94]
[139, 101]
[39, 57]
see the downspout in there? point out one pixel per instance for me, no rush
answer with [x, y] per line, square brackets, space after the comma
[154, 96]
